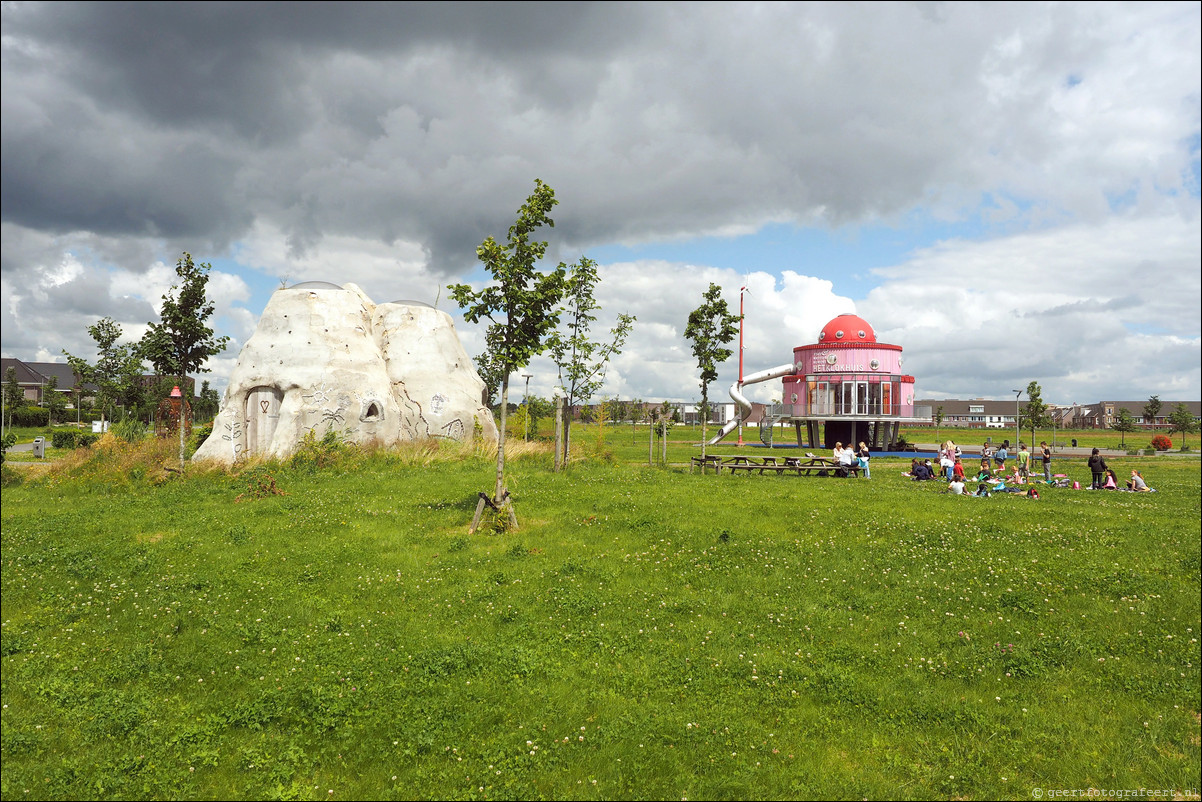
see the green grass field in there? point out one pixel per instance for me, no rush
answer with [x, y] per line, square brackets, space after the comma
[327, 629]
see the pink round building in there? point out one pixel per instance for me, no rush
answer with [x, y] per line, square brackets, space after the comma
[849, 382]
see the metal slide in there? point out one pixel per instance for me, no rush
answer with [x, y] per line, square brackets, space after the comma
[744, 404]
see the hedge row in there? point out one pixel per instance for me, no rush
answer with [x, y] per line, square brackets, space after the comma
[69, 438]
[40, 416]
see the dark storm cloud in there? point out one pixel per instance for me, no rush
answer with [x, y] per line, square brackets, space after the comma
[148, 119]
[429, 121]
[326, 136]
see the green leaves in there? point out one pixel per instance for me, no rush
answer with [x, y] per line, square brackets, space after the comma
[181, 342]
[117, 369]
[710, 327]
[522, 303]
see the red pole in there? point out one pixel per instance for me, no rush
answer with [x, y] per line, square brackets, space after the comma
[742, 290]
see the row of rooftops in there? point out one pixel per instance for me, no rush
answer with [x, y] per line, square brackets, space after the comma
[38, 374]
[1096, 414]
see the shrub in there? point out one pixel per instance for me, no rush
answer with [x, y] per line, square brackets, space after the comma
[314, 453]
[199, 435]
[9, 441]
[1162, 442]
[31, 416]
[9, 477]
[64, 438]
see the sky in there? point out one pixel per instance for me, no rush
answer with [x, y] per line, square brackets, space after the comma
[1010, 192]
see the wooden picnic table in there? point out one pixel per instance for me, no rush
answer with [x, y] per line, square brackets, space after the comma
[802, 466]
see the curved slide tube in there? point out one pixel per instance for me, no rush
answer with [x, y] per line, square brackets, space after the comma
[741, 400]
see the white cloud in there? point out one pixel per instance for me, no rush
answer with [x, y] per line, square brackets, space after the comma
[1090, 310]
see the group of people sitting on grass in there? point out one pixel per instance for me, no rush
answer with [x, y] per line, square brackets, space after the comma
[1104, 478]
[994, 478]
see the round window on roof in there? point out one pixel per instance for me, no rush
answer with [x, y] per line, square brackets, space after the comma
[863, 334]
[875, 364]
[821, 336]
[839, 334]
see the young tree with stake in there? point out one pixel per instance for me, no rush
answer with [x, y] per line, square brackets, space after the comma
[522, 305]
[182, 341]
[582, 361]
[711, 326]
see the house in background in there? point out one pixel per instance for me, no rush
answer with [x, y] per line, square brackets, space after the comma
[35, 378]
[978, 413]
[1101, 415]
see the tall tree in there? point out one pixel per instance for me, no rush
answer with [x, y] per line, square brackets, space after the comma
[582, 361]
[1183, 422]
[14, 396]
[182, 341]
[118, 369]
[1035, 413]
[711, 326]
[1151, 410]
[1123, 423]
[522, 303]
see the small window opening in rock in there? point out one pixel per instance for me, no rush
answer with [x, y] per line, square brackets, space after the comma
[373, 412]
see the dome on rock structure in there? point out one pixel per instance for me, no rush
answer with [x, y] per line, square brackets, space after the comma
[847, 329]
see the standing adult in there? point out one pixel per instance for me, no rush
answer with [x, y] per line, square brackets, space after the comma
[1045, 454]
[863, 455]
[1097, 466]
[1024, 461]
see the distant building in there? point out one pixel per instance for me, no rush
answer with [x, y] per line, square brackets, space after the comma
[979, 413]
[976, 413]
[35, 378]
[1102, 414]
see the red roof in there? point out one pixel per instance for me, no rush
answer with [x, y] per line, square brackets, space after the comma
[847, 329]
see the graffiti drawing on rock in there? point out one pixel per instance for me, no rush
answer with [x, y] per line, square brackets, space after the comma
[326, 358]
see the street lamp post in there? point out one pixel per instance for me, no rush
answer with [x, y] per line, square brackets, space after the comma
[526, 401]
[1017, 434]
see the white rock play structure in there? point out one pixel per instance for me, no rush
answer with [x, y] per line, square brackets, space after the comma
[326, 358]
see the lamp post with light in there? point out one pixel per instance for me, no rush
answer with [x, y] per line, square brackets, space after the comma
[1017, 434]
